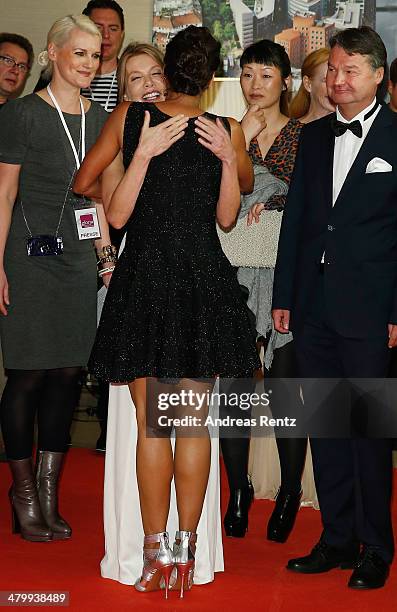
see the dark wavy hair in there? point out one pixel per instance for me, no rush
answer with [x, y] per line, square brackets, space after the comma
[269, 53]
[190, 60]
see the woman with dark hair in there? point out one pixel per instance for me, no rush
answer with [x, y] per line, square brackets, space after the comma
[174, 317]
[271, 140]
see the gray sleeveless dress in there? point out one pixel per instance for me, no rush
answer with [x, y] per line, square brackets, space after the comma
[51, 319]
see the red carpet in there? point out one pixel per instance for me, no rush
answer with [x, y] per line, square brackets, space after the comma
[254, 579]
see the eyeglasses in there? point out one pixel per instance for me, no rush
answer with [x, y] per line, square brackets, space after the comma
[11, 63]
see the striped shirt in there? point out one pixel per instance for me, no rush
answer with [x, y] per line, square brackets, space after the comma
[104, 90]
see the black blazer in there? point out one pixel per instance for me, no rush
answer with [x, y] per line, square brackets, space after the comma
[358, 234]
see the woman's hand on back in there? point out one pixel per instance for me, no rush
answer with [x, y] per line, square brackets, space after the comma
[215, 137]
[156, 140]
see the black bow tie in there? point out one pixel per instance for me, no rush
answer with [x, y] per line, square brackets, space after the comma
[339, 127]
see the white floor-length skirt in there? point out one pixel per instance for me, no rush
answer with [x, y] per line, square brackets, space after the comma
[122, 517]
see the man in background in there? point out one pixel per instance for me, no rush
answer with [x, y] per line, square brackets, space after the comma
[109, 18]
[16, 58]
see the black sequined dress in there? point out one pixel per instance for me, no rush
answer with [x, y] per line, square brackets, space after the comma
[174, 308]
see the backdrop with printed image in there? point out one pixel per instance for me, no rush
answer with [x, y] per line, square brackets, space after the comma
[301, 26]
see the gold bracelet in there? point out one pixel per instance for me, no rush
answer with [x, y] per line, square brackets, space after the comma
[107, 251]
[107, 259]
[107, 254]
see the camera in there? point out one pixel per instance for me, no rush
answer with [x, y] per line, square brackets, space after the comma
[43, 245]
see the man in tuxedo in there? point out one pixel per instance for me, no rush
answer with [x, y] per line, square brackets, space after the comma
[335, 287]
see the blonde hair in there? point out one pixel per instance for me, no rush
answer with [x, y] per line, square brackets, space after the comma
[301, 102]
[59, 34]
[132, 50]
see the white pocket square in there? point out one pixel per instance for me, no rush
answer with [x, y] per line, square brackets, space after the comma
[378, 165]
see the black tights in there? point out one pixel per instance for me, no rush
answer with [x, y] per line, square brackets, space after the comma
[235, 457]
[53, 395]
[235, 449]
[291, 451]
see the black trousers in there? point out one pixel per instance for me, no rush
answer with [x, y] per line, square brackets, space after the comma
[353, 474]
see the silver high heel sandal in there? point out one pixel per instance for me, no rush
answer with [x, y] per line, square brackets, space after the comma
[157, 564]
[184, 559]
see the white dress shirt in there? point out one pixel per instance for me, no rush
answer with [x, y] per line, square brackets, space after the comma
[347, 146]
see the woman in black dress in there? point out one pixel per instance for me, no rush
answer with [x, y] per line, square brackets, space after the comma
[174, 317]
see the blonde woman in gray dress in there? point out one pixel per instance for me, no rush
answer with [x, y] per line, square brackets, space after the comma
[48, 276]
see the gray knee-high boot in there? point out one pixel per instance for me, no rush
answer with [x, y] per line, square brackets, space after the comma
[47, 476]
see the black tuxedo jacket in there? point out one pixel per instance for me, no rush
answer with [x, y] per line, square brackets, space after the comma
[358, 234]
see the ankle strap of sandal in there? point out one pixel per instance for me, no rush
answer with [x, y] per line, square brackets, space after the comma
[189, 536]
[156, 537]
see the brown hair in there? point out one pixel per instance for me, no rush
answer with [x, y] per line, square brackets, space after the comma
[132, 50]
[364, 41]
[191, 59]
[301, 102]
[20, 41]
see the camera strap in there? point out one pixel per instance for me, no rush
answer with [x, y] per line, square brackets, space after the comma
[60, 216]
[87, 222]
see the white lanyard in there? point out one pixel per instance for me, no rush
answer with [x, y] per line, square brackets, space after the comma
[65, 127]
[92, 94]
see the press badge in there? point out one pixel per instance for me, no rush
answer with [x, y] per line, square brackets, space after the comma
[87, 223]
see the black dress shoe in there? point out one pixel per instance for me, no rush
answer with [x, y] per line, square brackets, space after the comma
[236, 517]
[283, 516]
[371, 571]
[324, 558]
